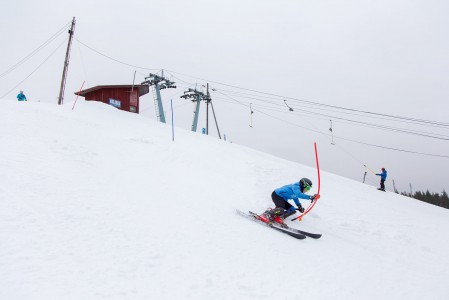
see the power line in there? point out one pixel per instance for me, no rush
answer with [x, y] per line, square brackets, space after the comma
[300, 111]
[382, 127]
[116, 60]
[345, 139]
[321, 104]
[274, 102]
[35, 51]
[416, 120]
[48, 57]
[409, 119]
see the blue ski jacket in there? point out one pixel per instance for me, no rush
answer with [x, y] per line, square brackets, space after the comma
[383, 175]
[291, 191]
[21, 97]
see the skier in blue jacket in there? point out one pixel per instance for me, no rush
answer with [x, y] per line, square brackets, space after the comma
[383, 177]
[294, 191]
[21, 96]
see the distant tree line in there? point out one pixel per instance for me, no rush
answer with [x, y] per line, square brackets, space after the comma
[432, 198]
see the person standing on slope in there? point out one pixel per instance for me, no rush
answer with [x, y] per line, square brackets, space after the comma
[21, 96]
[294, 191]
[383, 177]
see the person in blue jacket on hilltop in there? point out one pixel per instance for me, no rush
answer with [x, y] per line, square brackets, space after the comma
[294, 191]
[21, 96]
[383, 177]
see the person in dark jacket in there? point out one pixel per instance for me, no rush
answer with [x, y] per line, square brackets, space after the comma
[383, 177]
[294, 191]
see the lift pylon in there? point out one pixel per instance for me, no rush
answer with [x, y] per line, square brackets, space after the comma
[159, 83]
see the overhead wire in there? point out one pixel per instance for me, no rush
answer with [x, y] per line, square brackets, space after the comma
[321, 104]
[300, 111]
[414, 120]
[429, 122]
[276, 102]
[116, 60]
[379, 126]
[341, 138]
[46, 59]
[35, 51]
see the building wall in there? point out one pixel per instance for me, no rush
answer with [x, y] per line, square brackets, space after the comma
[121, 94]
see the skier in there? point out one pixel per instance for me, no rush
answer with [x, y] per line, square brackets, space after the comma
[294, 191]
[21, 96]
[383, 176]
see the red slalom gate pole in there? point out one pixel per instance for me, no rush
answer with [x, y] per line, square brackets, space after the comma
[319, 186]
[78, 95]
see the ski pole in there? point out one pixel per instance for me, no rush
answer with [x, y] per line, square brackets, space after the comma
[370, 169]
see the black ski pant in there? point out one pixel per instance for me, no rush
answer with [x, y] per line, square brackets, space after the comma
[382, 184]
[280, 202]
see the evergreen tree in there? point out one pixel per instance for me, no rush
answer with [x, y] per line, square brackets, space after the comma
[432, 198]
[444, 200]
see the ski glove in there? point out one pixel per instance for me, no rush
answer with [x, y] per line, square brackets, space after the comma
[314, 197]
[300, 208]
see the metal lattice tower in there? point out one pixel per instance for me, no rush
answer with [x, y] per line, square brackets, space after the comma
[159, 83]
[197, 96]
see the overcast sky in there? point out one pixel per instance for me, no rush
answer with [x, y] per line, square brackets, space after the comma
[384, 57]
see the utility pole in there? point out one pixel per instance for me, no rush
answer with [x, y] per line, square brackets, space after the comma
[159, 83]
[215, 118]
[66, 63]
[209, 101]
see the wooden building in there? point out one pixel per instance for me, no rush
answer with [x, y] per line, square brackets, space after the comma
[124, 97]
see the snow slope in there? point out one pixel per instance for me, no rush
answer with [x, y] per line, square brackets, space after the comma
[97, 203]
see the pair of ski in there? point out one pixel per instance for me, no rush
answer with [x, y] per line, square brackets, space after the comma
[296, 233]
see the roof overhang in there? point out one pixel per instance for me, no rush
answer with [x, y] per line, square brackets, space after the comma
[143, 89]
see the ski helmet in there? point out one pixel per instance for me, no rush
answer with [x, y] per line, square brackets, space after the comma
[305, 182]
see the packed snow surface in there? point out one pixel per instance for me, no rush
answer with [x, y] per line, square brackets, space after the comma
[97, 203]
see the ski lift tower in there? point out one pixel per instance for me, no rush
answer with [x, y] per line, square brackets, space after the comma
[159, 83]
[196, 96]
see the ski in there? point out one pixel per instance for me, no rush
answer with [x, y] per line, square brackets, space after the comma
[309, 234]
[306, 233]
[254, 217]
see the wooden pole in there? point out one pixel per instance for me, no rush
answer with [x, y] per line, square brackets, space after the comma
[394, 186]
[66, 64]
[215, 118]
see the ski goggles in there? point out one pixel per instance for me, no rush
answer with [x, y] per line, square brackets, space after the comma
[307, 188]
